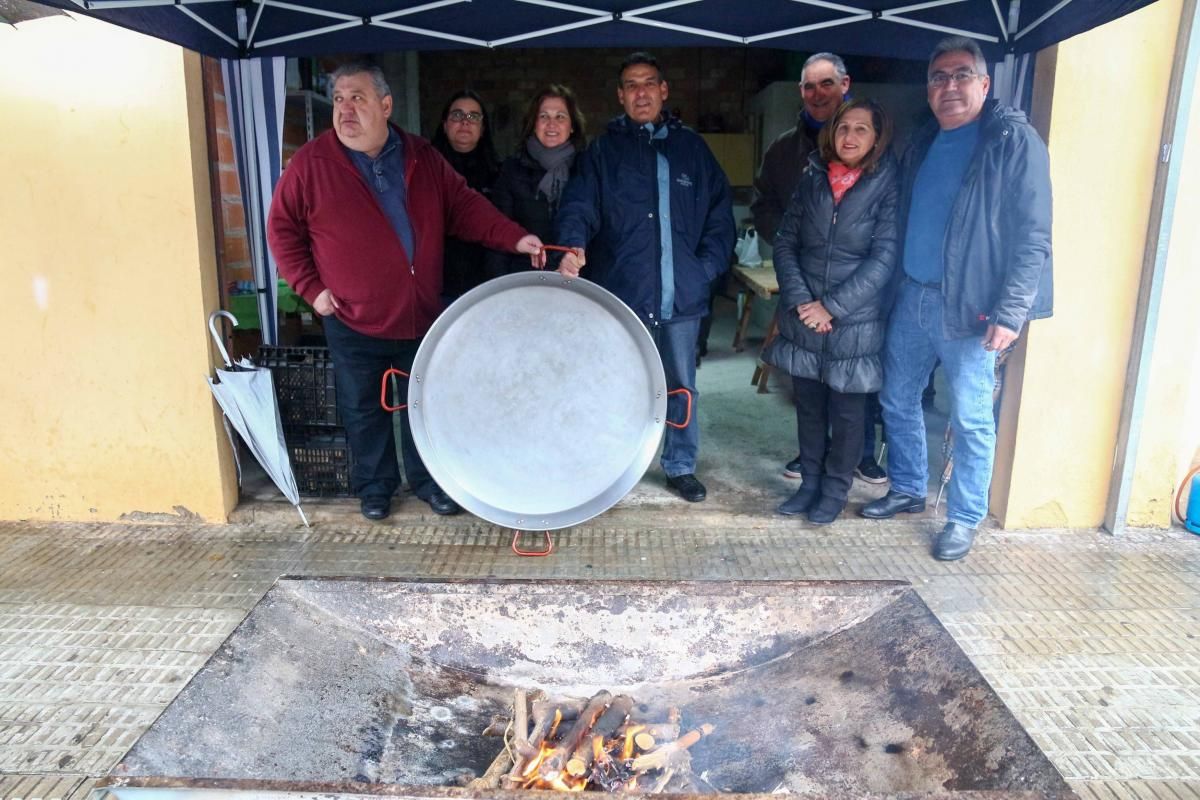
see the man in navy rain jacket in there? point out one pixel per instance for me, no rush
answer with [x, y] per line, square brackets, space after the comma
[650, 214]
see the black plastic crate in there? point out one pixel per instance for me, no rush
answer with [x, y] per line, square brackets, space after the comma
[304, 385]
[321, 461]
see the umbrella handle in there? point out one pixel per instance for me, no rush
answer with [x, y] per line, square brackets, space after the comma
[383, 389]
[212, 327]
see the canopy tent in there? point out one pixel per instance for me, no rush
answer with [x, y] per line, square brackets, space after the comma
[252, 37]
[891, 28]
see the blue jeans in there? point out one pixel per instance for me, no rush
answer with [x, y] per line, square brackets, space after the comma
[914, 340]
[676, 343]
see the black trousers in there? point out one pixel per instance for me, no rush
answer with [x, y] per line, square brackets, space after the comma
[359, 362]
[820, 409]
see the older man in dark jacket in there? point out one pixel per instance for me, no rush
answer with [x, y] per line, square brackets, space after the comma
[975, 206]
[650, 213]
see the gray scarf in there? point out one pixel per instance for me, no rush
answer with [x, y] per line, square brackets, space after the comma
[557, 163]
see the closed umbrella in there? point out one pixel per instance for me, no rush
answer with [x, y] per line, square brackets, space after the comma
[246, 394]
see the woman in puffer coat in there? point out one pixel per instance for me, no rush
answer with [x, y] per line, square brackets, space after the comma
[834, 254]
[531, 182]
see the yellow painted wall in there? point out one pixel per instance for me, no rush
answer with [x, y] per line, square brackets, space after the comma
[107, 272]
[1171, 428]
[1105, 124]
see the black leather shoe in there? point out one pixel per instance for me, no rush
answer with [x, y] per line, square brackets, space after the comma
[953, 542]
[376, 508]
[441, 503]
[892, 504]
[826, 510]
[792, 469]
[800, 502]
[688, 487]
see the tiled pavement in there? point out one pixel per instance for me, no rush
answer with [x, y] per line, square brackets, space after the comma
[1094, 642]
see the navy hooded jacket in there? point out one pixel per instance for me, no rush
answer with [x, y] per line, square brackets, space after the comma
[610, 208]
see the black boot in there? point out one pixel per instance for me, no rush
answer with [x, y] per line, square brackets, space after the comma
[826, 510]
[801, 501]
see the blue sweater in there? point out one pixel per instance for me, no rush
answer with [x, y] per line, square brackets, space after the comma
[938, 181]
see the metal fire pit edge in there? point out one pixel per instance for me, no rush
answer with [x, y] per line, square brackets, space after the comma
[339, 687]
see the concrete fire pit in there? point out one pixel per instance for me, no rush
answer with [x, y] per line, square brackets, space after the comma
[383, 686]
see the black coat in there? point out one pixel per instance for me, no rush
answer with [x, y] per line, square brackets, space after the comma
[464, 261]
[997, 265]
[516, 194]
[844, 256]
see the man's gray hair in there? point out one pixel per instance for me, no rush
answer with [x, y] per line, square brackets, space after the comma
[839, 66]
[359, 68]
[959, 44]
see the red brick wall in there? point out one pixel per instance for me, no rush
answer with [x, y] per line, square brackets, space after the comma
[233, 254]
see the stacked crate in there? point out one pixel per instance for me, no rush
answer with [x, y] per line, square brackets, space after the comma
[316, 440]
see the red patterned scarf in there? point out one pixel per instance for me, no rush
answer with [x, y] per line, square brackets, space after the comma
[841, 178]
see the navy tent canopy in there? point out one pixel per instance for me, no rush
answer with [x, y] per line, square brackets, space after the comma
[889, 28]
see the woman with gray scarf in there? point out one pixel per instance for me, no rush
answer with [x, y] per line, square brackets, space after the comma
[531, 182]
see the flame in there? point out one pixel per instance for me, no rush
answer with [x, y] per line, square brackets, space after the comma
[627, 750]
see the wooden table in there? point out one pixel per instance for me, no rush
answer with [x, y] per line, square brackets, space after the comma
[761, 282]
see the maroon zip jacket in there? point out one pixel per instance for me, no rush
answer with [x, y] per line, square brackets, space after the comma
[327, 231]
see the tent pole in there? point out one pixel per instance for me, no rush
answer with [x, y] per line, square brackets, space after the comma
[1154, 265]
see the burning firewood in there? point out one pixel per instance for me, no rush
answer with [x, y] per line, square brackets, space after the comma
[605, 727]
[553, 765]
[520, 739]
[495, 773]
[498, 726]
[570, 709]
[546, 716]
[663, 756]
[576, 745]
[648, 734]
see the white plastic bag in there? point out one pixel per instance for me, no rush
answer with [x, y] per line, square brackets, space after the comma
[747, 250]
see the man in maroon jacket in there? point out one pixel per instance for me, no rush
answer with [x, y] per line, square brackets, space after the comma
[356, 226]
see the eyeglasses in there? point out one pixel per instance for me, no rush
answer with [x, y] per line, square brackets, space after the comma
[470, 117]
[940, 80]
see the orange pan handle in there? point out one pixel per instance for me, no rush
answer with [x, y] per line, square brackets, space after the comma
[559, 248]
[516, 546]
[383, 390]
[688, 418]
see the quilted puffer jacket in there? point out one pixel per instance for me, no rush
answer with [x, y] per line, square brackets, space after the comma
[844, 256]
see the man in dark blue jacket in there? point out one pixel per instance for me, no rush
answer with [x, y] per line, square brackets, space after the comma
[975, 215]
[650, 214]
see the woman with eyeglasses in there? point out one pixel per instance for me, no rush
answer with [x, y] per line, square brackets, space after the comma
[532, 180]
[834, 255]
[464, 137]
